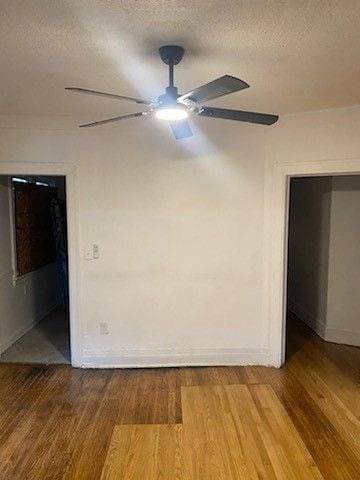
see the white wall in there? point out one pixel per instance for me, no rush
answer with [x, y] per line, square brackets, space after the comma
[309, 237]
[180, 227]
[343, 308]
[315, 136]
[180, 274]
[29, 299]
[330, 136]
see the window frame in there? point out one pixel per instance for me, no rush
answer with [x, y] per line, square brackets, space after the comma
[16, 278]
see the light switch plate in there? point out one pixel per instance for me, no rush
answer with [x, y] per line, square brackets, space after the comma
[96, 251]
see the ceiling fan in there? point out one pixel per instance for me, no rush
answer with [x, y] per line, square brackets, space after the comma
[176, 108]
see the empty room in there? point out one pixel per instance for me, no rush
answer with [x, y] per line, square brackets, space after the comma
[179, 240]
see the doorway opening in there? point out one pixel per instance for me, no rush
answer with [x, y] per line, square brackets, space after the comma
[323, 264]
[34, 284]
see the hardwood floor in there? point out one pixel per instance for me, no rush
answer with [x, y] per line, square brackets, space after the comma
[299, 422]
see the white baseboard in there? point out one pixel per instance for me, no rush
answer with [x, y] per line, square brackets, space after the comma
[147, 358]
[315, 324]
[326, 332]
[346, 337]
[25, 328]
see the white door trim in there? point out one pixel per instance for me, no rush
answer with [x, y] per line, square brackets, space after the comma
[69, 171]
[276, 234]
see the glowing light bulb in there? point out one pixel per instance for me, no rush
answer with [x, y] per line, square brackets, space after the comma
[171, 113]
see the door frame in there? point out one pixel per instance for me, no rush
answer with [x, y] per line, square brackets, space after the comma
[69, 172]
[276, 235]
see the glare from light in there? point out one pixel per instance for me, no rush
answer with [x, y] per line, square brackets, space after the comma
[171, 113]
[19, 180]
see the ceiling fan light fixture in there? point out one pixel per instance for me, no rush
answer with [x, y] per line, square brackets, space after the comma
[175, 108]
[171, 113]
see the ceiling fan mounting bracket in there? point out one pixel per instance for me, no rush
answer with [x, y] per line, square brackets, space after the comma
[171, 54]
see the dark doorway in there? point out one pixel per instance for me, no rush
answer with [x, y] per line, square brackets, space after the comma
[35, 320]
[324, 259]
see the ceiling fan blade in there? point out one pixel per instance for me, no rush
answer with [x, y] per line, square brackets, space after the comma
[108, 95]
[115, 119]
[239, 115]
[181, 129]
[217, 88]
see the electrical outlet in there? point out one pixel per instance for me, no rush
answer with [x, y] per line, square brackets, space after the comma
[25, 289]
[92, 252]
[104, 329]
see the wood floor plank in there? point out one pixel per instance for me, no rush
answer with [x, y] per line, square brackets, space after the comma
[284, 433]
[332, 454]
[150, 452]
[345, 357]
[57, 422]
[329, 400]
[314, 361]
[235, 437]
[207, 452]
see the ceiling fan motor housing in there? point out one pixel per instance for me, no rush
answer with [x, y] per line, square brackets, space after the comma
[171, 54]
[169, 97]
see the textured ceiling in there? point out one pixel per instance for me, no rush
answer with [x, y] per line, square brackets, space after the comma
[297, 55]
